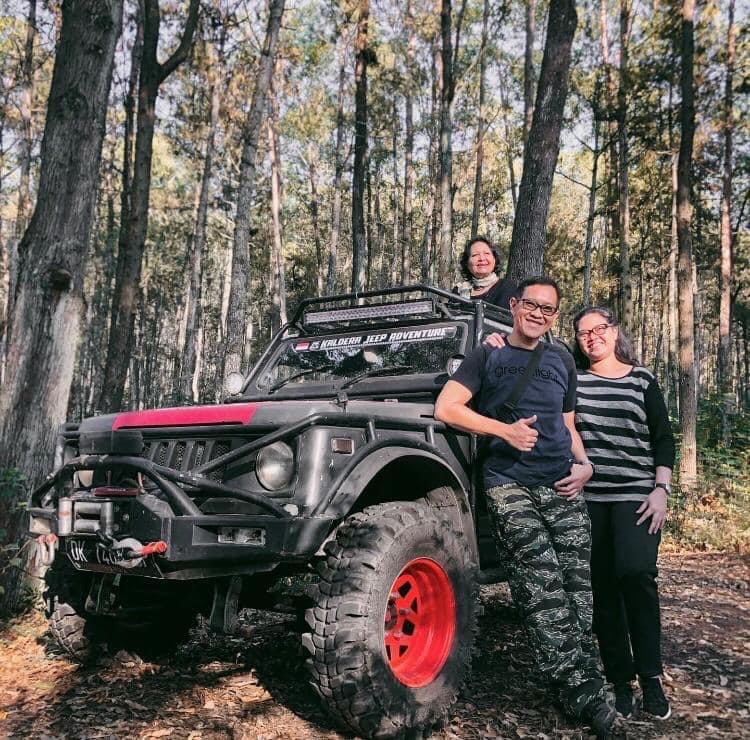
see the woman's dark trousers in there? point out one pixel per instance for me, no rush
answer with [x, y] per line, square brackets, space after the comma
[626, 597]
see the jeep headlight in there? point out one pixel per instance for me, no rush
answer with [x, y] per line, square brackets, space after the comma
[274, 466]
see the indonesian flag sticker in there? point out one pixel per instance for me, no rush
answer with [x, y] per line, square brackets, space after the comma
[302, 346]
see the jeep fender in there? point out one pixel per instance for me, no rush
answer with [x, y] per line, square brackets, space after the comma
[438, 483]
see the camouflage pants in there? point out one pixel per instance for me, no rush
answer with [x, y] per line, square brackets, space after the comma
[547, 543]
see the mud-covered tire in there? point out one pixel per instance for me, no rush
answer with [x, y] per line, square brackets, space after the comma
[393, 625]
[85, 637]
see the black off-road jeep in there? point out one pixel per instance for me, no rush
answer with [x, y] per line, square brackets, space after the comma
[326, 460]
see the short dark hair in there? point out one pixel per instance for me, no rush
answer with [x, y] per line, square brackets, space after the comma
[467, 253]
[624, 351]
[538, 280]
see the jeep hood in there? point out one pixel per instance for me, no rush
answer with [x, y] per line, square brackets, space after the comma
[263, 414]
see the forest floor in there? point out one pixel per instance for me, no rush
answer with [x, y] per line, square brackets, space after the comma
[253, 686]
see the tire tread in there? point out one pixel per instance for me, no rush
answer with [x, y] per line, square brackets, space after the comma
[337, 660]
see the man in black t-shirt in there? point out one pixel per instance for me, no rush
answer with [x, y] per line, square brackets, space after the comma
[543, 529]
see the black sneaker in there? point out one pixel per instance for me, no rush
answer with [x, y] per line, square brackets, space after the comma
[601, 716]
[654, 701]
[624, 699]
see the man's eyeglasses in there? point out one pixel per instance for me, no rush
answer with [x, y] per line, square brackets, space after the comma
[545, 308]
[597, 330]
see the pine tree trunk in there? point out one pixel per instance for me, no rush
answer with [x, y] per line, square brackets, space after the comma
[338, 169]
[190, 370]
[429, 255]
[236, 311]
[375, 219]
[396, 200]
[529, 225]
[746, 355]
[277, 242]
[26, 141]
[674, 363]
[4, 257]
[528, 70]
[688, 398]
[446, 89]
[665, 380]
[25, 149]
[126, 179]
[359, 235]
[623, 187]
[49, 299]
[509, 154]
[408, 223]
[90, 361]
[26, 144]
[477, 202]
[726, 260]
[610, 135]
[589, 245]
[312, 173]
[152, 75]
[637, 336]
[370, 225]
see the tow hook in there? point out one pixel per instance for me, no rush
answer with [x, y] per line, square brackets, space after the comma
[132, 552]
[154, 548]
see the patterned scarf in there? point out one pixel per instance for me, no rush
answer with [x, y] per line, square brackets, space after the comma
[485, 282]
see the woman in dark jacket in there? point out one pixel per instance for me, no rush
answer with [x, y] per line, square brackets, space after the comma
[480, 263]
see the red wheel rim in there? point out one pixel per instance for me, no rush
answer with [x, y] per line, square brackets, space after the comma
[420, 622]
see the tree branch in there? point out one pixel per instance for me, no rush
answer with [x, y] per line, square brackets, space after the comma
[572, 179]
[186, 40]
[456, 43]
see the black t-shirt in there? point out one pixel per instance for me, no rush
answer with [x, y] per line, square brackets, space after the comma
[491, 374]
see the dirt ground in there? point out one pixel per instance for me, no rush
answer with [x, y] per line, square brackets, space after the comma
[253, 686]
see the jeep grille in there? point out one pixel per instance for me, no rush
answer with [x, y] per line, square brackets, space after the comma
[186, 454]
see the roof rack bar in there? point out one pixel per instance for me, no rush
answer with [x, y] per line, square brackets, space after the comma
[307, 302]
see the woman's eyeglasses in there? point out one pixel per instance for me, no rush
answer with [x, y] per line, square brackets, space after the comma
[597, 330]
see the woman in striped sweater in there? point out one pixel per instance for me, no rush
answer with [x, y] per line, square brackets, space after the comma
[622, 419]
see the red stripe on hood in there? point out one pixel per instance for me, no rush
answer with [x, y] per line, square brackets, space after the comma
[184, 416]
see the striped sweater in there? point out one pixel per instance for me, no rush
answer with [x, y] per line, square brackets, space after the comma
[625, 429]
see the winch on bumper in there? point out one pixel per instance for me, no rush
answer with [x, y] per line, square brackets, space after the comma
[152, 527]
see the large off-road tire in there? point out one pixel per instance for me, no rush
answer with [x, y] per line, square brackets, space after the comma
[393, 624]
[79, 634]
[148, 621]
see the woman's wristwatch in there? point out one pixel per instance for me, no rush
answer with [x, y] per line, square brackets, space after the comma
[586, 461]
[665, 486]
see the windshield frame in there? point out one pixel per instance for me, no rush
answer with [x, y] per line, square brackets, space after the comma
[375, 385]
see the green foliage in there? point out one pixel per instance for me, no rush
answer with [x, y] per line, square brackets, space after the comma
[716, 515]
[12, 483]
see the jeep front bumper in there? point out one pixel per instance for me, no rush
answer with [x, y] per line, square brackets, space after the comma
[92, 524]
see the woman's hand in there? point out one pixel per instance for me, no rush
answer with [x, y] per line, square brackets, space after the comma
[574, 482]
[654, 508]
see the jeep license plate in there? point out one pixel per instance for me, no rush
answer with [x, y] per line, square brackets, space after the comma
[92, 555]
